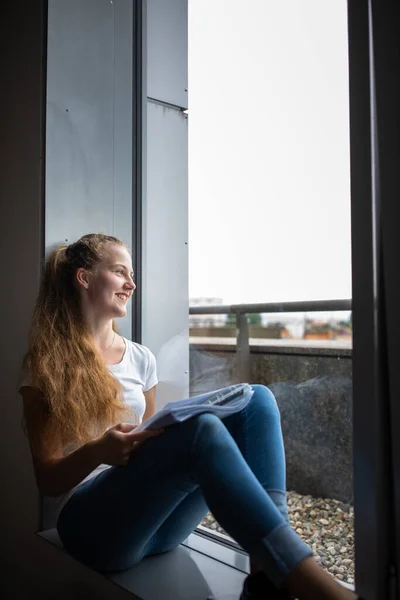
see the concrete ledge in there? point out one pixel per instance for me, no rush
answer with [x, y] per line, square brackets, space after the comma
[269, 346]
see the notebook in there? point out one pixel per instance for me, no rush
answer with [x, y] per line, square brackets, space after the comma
[222, 403]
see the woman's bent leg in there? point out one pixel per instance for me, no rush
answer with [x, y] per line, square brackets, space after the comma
[179, 524]
[111, 522]
[126, 506]
[257, 431]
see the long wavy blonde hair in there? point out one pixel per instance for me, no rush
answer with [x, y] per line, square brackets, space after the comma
[81, 397]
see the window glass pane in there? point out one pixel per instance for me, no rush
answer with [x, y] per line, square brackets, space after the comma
[269, 222]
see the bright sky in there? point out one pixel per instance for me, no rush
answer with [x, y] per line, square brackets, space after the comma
[269, 165]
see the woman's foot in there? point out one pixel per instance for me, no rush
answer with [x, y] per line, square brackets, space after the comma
[309, 581]
[316, 585]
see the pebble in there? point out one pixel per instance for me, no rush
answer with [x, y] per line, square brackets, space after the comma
[326, 525]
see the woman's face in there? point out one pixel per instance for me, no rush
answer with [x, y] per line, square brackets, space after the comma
[111, 285]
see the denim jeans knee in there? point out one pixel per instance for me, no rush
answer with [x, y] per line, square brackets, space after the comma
[264, 401]
[207, 425]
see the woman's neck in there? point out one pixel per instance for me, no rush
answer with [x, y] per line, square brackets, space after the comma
[103, 334]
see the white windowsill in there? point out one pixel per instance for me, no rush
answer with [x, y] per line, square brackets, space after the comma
[199, 569]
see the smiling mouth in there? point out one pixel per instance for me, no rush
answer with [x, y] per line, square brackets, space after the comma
[123, 297]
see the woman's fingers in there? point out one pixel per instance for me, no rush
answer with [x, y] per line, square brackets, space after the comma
[141, 436]
[125, 427]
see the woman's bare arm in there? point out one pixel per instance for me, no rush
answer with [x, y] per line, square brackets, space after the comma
[150, 397]
[55, 473]
[56, 476]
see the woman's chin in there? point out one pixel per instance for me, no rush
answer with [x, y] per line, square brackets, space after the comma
[117, 312]
[121, 312]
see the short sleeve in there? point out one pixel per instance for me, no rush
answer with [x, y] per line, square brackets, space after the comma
[151, 372]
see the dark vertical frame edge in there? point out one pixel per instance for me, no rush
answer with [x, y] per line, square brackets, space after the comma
[137, 162]
[42, 223]
[386, 33]
[371, 486]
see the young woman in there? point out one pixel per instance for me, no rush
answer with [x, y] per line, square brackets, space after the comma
[121, 495]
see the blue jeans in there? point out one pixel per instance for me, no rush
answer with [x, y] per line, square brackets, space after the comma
[234, 467]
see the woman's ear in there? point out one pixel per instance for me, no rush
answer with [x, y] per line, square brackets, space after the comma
[82, 277]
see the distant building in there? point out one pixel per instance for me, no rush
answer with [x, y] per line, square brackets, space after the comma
[286, 334]
[318, 330]
[206, 320]
[292, 325]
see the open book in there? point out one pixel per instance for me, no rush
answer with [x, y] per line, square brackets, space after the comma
[221, 403]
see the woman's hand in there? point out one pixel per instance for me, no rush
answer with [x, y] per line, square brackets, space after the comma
[116, 445]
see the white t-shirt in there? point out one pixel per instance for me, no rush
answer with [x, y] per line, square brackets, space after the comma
[137, 374]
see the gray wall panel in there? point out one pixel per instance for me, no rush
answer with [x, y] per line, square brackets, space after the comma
[89, 122]
[80, 90]
[167, 48]
[165, 251]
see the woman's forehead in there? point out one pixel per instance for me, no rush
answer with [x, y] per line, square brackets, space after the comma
[118, 254]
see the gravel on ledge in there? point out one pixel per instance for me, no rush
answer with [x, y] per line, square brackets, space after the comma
[326, 525]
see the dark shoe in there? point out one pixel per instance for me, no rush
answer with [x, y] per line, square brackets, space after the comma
[257, 586]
